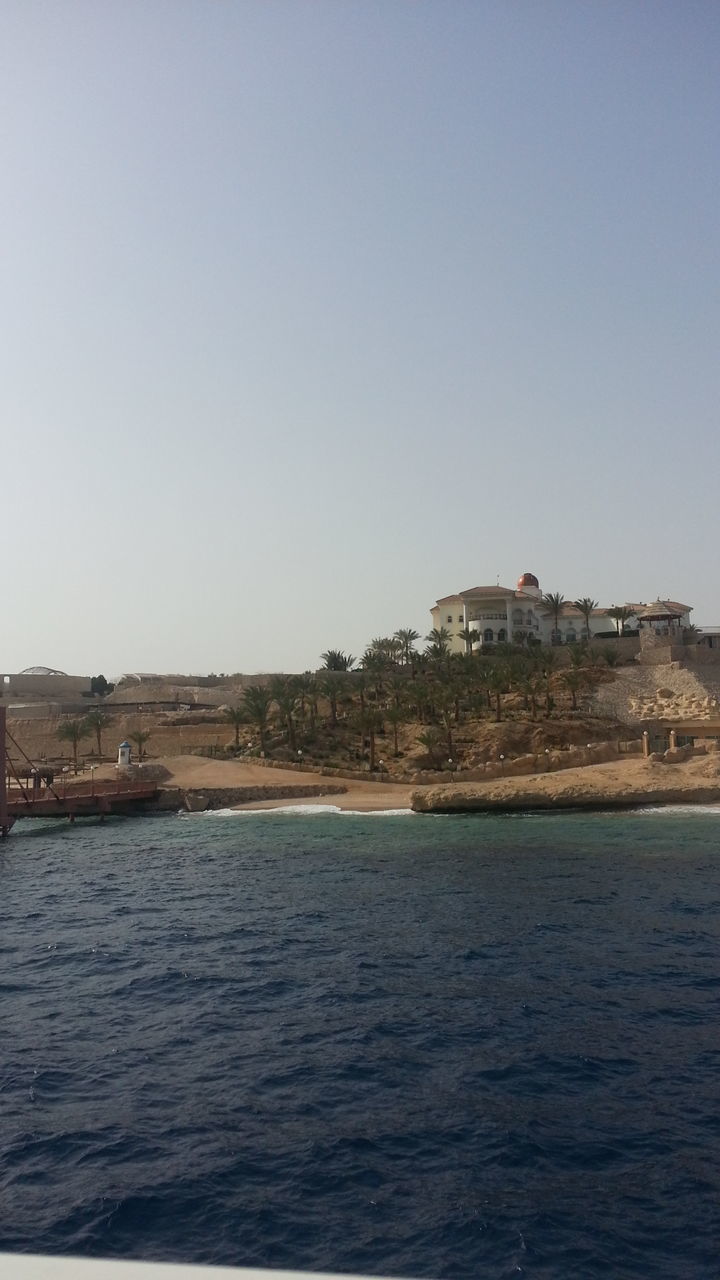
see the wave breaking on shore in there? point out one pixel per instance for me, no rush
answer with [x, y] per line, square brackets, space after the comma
[302, 811]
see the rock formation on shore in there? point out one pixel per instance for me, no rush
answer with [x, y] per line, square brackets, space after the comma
[619, 784]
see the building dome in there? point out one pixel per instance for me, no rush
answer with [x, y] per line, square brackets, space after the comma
[527, 580]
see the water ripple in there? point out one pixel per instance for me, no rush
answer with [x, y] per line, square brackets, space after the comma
[467, 1048]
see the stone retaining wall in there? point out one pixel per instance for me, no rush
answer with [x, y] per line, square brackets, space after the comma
[542, 762]
[689, 655]
[227, 797]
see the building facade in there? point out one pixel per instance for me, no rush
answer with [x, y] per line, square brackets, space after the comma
[507, 615]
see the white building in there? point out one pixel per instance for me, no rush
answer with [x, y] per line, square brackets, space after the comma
[502, 615]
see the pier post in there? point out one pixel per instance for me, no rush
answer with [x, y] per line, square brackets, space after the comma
[4, 823]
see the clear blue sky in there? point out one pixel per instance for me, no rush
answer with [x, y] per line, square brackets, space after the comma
[315, 311]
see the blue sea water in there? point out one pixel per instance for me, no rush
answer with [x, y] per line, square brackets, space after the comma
[402, 1045]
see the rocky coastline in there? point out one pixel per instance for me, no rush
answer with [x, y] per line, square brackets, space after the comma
[620, 784]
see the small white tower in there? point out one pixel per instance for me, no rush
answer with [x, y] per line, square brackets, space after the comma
[124, 755]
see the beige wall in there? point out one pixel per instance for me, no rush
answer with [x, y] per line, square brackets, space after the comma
[42, 688]
[440, 615]
[492, 607]
[689, 655]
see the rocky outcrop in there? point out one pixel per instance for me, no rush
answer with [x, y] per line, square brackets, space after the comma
[671, 692]
[612, 786]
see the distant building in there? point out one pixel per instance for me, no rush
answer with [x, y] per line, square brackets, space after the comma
[505, 615]
[709, 637]
[36, 684]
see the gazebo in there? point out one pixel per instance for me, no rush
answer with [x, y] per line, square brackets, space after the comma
[660, 618]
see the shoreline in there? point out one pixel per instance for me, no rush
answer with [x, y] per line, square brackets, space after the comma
[627, 784]
[623, 783]
[359, 797]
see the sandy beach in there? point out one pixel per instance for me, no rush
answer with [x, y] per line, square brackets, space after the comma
[623, 781]
[198, 773]
[360, 798]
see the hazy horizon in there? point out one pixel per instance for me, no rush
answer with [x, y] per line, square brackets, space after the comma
[314, 313]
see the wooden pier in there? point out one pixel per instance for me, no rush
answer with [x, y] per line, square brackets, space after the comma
[40, 798]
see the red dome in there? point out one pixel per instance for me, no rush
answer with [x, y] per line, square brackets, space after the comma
[527, 580]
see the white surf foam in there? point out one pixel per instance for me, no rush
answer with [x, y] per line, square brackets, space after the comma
[300, 810]
[678, 808]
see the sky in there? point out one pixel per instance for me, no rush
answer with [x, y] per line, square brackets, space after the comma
[314, 311]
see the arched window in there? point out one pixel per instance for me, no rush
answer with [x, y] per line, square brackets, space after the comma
[517, 617]
[488, 635]
[570, 637]
[502, 635]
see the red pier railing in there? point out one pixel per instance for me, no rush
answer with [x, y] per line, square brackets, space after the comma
[44, 798]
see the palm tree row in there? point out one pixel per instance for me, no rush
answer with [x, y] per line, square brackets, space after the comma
[74, 731]
[436, 689]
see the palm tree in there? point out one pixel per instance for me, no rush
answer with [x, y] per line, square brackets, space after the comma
[470, 637]
[73, 731]
[307, 687]
[580, 656]
[337, 660]
[421, 698]
[481, 671]
[438, 648]
[498, 685]
[554, 602]
[434, 743]
[439, 640]
[611, 656]
[586, 606]
[140, 737]
[407, 638]
[258, 701]
[376, 666]
[97, 720]
[396, 715]
[446, 706]
[387, 647]
[237, 717]
[285, 691]
[574, 680]
[368, 722]
[549, 662]
[620, 614]
[330, 686]
[528, 683]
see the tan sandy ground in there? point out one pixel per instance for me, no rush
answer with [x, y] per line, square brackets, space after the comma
[197, 773]
[628, 781]
[623, 782]
[360, 797]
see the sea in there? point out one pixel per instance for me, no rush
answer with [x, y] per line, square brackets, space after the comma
[393, 1044]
